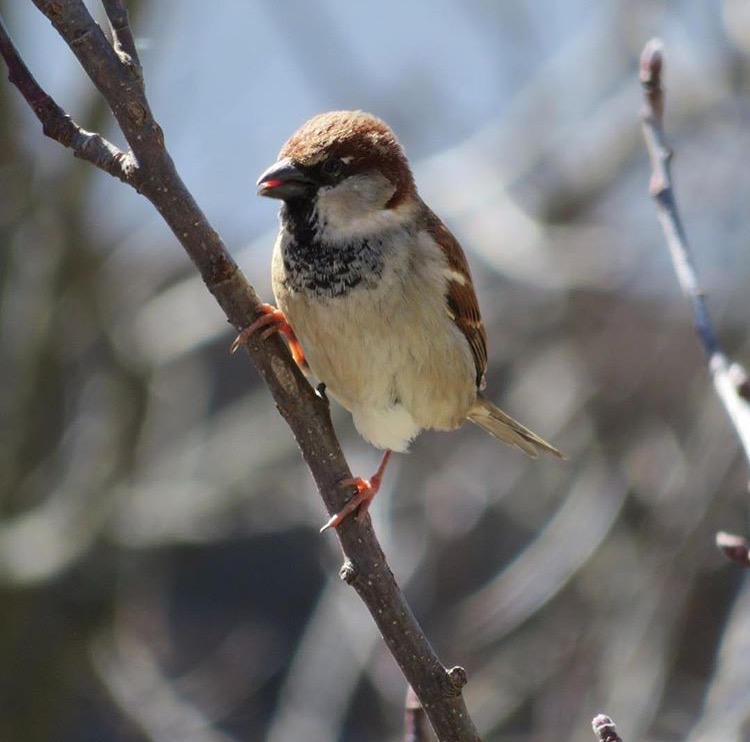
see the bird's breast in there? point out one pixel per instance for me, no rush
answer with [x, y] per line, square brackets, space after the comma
[377, 333]
[314, 268]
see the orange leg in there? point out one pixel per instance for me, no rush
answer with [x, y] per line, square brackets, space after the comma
[365, 490]
[273, 320]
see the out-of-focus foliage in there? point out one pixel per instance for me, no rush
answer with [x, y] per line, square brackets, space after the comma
[161, 573]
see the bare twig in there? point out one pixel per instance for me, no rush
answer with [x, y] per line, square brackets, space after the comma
[730, 379]
[149, 169]
[122, 34]
[604, 729]
[58, 125]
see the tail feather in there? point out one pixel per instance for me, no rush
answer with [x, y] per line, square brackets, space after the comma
[505, 428]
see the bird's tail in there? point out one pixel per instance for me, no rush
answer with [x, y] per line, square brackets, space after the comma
[508, 430]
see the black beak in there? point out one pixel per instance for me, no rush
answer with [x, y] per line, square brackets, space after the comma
[283, 180]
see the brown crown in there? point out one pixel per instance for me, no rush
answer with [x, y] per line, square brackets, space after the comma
[366, 140]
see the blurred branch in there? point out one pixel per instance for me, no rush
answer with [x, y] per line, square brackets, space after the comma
[415, 719]
[725, 705]
[604, 729]
[307, 708]
[45, 539]
[550, 560]
[131, 674]
[730, 379]
[148, 168]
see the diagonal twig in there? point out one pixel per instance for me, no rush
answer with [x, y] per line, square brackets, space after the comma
[58, 125]
[117, 74]
[730, 379]
[122, 33]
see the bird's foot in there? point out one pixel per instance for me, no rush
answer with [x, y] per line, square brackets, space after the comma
[365, 491]
[271, 321]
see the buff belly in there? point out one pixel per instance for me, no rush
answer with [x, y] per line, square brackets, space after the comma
[394, 376]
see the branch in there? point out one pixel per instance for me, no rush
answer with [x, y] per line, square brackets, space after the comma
[122, 35]
[116, 73]
[730, 379]
[57, 125]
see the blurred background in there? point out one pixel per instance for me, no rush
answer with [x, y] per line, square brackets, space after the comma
[161, 573]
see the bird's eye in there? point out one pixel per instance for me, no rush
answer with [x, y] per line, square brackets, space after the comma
[332, 167]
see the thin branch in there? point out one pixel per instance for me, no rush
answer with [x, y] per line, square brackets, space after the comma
[604, 729]
[122, 34]
[730, 379]
[119, 79]
[58, 125]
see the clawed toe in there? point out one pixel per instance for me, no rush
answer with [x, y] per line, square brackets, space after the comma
[365, 491]
[273, 320]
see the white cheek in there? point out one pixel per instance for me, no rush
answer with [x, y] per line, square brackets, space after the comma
[356, 207]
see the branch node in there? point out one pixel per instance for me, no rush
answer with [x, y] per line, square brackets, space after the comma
[657, 186]
[735, 548]
[651, 68]
[122, 36]
[652, 62]
[137, 112]
[348, 572]
[457, 679]
[133, 68]
[604, 729]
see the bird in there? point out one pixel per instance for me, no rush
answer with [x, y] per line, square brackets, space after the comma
[374, 294]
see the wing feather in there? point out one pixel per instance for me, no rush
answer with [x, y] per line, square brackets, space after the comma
[461, 300]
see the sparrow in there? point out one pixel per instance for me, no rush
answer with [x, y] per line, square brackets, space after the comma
[374, 293]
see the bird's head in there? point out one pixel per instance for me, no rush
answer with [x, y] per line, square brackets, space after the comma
[346, 165]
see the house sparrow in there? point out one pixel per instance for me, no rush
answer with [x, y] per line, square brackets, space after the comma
[374, 293]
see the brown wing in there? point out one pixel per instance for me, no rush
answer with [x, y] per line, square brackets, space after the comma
[461, 301]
